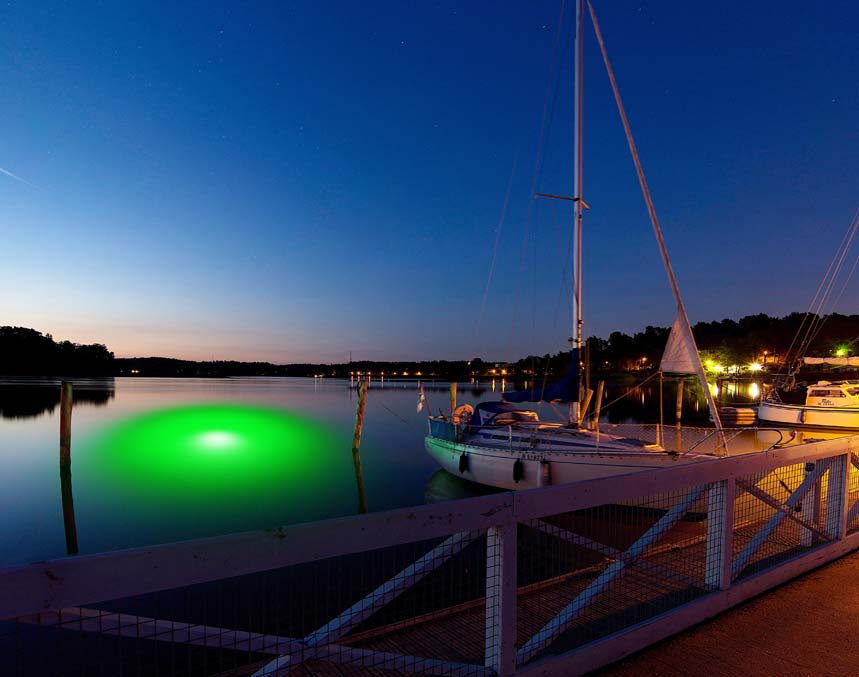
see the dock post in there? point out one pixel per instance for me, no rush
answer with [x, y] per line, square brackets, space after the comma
[65, 423]
[452, 398]
[69, 526]
[720, 534]
[837, 497]
[720, 387]
[679, 409]
[500, 624]
[810, 508]
[356, 446]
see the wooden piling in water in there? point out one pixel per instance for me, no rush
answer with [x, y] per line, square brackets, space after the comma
[679, 408]
[452, 398]
[598, 405]
[69, 525]
[65, 423]
[659, 435]
[356, 446]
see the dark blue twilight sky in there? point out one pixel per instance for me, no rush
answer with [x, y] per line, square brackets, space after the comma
[292, 181]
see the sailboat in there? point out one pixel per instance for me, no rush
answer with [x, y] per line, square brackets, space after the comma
[502, 445]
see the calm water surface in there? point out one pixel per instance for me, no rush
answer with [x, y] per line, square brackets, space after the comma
[119, 505]
[151, 500]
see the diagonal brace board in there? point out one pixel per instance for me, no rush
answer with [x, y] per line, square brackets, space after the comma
[361, 610]
[609, 551]
[773, 502]
[743, 559]
[589, 595]
[854, 510]
[79, 619]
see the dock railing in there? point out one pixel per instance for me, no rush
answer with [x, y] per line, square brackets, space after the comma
[557, 580]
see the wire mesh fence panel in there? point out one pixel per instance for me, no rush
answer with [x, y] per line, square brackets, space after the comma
[590, 573]
[785, 512]
[418, 607]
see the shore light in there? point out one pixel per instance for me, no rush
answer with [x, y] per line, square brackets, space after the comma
[755, 367]
[841, 351]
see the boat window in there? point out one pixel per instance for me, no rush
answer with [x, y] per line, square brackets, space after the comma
[853, 391]
[826, 393]
[508, 417]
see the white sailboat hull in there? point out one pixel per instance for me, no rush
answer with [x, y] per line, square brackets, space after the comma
[495, 466]
[839, 418]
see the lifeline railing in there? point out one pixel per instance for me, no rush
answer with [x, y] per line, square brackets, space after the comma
[561, 579]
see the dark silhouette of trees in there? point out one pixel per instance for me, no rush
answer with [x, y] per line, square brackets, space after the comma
[727, 342]
[28, 352]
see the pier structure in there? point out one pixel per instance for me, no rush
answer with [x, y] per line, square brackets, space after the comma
[557, 580]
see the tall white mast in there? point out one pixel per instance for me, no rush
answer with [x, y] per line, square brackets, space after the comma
[578, 140]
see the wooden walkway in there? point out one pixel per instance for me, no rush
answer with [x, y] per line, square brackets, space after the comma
[806, 627]
[456, 634]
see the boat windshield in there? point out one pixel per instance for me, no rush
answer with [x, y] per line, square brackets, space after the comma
[827, 392]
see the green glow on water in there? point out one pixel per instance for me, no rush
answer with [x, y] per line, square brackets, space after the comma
[232, 466]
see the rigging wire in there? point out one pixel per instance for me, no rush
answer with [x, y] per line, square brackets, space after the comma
[564, 289]
[498, 229]
[549, 98]
[853, 228]
[815, 316]
[651, 210]
[629, 392]
[814, 306]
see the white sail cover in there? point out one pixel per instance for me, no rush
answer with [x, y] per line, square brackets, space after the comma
[680, 355]
[835, 361]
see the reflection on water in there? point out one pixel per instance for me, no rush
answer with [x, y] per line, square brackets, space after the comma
[27, 399]
[109, 497]
[444, 486]
[117, 497]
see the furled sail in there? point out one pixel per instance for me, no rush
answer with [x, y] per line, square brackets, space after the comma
[680, 356]
[834, 361]
[567, 389]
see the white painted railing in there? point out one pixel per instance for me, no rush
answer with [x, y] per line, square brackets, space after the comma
[687, 543]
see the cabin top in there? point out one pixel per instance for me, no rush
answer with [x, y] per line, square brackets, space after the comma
[833, 394]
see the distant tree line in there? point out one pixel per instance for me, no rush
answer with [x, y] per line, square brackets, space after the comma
[29, 352]
[727, 342]
[754, 338]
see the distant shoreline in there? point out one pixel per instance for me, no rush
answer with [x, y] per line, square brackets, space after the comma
[751, 343]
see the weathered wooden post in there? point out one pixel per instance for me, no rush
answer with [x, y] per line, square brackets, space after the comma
[659, 439]
[598, 405]
[678, 412]
[356, 446]
[69, 525]
[452, 398]
[65, 423]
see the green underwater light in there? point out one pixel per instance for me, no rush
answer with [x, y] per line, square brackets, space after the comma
[218, 457]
